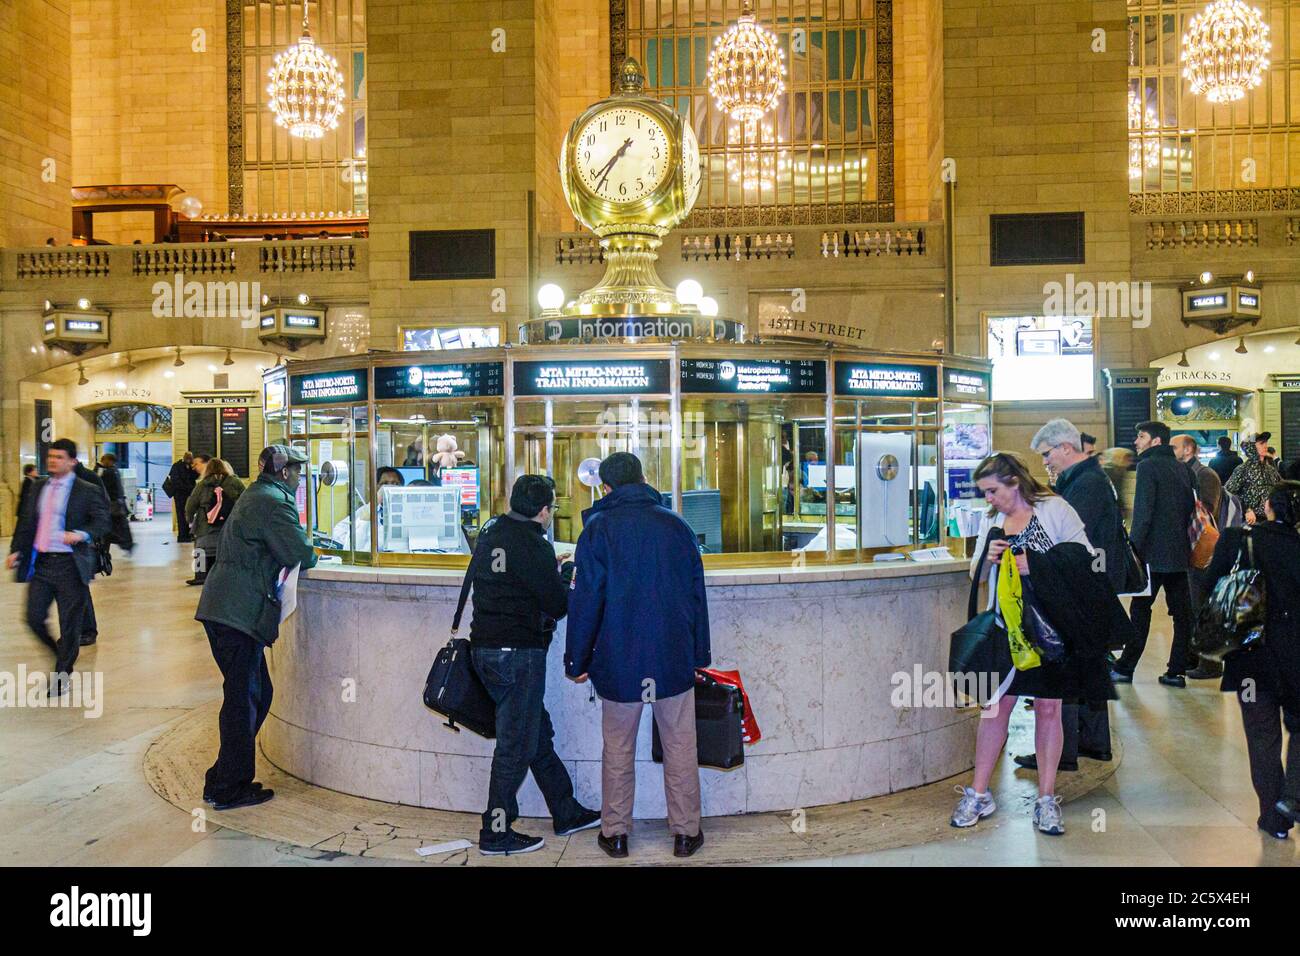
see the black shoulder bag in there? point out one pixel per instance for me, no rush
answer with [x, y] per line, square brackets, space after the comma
[974, 647]
[453, 688]
[1233, 618]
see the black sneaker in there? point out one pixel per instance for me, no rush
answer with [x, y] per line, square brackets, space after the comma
[1030, 762]
[1289, 809]
[585, 820]
[87, 640]
[510, 844]
[1173, 680]
[1202, 672]
[210, 799]
[248, 797]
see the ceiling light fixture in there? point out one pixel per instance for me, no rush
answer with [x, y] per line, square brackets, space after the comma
[1182, 362]
[179, 361]
[306, 89]
[746, 70]
[81, 372]
[229, 360]
[1225, 51]
[1241, 346]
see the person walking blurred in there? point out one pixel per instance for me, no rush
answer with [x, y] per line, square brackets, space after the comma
[1162, 510]
[117, 509]
[29, 479]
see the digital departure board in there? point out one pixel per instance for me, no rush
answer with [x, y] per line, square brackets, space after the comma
[604, 377]
[1289, 448]
[886, 380]
[959, 383]
[234, 439]
[324, 388]
[754, 376]
[457, 380]
[203, 431]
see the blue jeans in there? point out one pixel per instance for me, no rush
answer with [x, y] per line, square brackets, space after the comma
[516, 680]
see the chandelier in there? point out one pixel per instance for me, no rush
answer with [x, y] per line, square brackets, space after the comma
[1143, 147]
[746, 69]
[1225, 51]
[306, 88]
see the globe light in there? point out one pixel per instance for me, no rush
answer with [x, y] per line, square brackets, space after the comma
[303, 298]
[83, 304]
[746, 70]
[689, 292]
[1225, 51]
[550, 297]
[306, 90]
[708, 306]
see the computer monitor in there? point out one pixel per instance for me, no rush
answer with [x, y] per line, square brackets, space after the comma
[466, 479]
[702, 511]
[410, 474]
[422, 518]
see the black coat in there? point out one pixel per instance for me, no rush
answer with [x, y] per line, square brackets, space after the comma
[518, 592]
[1090, 493]
[182, 480]
[1162, 510]
[1082, 605]
[87, 511]
[112, 479]
[1224, 464]
[1276, 665]
[24, 493]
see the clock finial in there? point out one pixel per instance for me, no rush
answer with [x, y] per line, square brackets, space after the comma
[630, 77]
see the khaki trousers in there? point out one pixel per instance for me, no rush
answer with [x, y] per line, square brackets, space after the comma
[619, 723]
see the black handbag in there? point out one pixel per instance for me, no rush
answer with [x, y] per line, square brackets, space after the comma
[1135, 572]
[1232, 619]
[977, 651]
[103, 557]
[719, 735]
[1042, 634]
[453, 687]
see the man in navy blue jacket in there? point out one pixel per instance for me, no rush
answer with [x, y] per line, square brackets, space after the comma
[639, 627]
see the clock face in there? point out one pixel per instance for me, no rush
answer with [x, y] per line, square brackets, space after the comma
[690, 165]
[621, 155]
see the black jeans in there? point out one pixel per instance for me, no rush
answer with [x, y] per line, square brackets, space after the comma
[1263, 719]
[55, 579]
[183, 532]
[516, 679]
[1085, 725]
[1178, 601]
[247, 687]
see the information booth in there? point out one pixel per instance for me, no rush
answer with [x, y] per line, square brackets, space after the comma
[771, 453]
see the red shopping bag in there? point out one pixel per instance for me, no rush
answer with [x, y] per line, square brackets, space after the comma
[749, 725]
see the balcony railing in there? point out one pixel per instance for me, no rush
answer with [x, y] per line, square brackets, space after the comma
[1202, 233]
[251, 259]
[905, 240]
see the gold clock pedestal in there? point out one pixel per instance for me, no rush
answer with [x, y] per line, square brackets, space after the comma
[630, 286]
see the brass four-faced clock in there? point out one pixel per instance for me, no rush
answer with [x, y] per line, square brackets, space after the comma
[630, 167]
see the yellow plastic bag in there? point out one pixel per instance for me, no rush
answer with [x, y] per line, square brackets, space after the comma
[1012, 607]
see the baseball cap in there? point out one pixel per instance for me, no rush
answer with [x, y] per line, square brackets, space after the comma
[275, 457]
[1264, 436]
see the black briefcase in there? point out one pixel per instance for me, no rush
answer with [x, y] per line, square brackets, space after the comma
[454, 690]
[719, 737]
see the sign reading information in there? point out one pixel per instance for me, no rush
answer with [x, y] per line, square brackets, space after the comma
[962, 383]
[897, 381]
[321, 388]
[766, 376]
[610, 377]
[459, 380]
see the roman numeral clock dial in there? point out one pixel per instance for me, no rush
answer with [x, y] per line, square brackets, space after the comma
[622, 155]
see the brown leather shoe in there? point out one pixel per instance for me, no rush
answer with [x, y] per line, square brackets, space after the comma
[684, 845]
[615, 846]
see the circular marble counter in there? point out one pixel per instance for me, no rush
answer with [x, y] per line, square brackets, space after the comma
[818, 650]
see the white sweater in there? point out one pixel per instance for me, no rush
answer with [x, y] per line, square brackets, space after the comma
[1058, 518]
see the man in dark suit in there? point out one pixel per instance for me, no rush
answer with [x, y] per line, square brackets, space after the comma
[90, 627]
[29, 478]
[1162, 509]
[178, 487]
[53, 551]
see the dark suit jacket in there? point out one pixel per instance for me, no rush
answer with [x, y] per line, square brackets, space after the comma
[87, 511]
[1088, 490]
[24, 493]
[1162, 509]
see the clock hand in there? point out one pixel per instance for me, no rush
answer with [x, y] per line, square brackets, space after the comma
[609, 167]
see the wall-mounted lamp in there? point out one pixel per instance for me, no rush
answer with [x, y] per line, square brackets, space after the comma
[81, 371]
[179, 361]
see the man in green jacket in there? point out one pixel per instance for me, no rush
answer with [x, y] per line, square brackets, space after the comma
[240, 611]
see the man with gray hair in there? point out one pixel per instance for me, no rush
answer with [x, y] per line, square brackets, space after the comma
[1081, 482]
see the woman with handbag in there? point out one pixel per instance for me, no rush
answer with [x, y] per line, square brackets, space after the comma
[1266, 678]
[207, 509]
[1023, 516]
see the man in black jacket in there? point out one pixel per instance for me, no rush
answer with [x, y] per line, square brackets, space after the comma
[178, 487]
[29, 478]
[1162, 510]
[1225, 460]
[519, 595]
[1081, 481]
[90, 626]
[53, 552]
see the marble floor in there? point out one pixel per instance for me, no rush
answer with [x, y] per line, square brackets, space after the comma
[73, 790]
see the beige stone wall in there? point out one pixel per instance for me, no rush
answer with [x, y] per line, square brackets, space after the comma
[913, 109]
[36, 167]
[1036, 122]
[149, 109]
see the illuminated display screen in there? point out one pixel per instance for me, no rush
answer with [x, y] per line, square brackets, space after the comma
[611, 377]
[763, 376]
[881, 379]
[960, 383]
[324, 387]
[1041, 358]
[438, 381]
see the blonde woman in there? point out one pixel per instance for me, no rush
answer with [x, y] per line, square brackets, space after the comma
[1028, 517]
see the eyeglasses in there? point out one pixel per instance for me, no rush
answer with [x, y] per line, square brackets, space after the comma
[1047, 454]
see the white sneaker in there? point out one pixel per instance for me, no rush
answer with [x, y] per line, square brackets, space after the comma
[1047, 816]
[972, 806]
